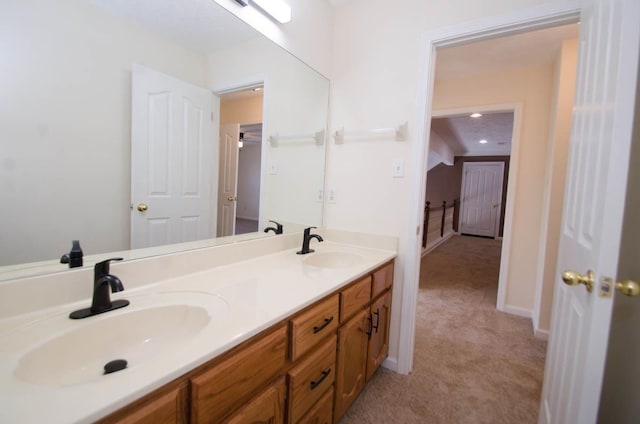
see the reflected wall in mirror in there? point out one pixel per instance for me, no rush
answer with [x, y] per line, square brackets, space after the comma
[66, 119]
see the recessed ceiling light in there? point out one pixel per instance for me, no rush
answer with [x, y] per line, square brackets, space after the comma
[475, 115]
[257, 89]
[483, 141]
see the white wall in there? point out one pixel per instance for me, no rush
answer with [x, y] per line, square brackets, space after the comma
[557, 154]
[246, 110]
[533, 87]
[65, 126]
[375, 80]
[308, 36]
[295, 103]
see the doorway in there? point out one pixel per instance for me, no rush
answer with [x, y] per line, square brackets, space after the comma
[516, 89]
[241, 116]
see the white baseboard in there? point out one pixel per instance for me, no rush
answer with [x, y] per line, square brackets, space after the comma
[438, 243]
[391, 364]
[541, 334]
[515, 310]
[248, 218]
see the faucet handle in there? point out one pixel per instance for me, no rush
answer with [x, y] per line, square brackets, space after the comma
[307, 230]
[278, 227]
[102, 268]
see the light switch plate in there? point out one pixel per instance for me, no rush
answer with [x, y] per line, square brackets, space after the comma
[397, 168]
[273, 168]
[332, 195]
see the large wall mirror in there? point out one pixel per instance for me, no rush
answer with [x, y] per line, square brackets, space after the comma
[71, 70]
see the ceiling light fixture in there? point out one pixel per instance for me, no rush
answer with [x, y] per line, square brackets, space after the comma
[475, 115]
[483, 141]
[278, 9]
[256, 89]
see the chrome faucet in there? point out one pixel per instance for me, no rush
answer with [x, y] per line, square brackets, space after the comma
[277, 229]
[103, 283]
[306, 239]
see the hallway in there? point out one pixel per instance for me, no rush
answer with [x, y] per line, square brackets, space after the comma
[472, 363]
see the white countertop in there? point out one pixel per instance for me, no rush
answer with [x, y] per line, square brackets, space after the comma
[249, 296]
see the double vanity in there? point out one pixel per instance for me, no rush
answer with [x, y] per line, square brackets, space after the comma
[246, 332]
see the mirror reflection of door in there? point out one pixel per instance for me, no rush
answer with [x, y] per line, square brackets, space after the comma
[171, 171]
[240, 161]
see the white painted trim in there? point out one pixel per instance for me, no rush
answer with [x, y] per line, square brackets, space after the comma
[541, 334]
[546, 15]
[391, 364]
[516, 310]
[246, 83]
[446, 237]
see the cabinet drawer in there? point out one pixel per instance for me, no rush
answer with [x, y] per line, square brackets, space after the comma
[310, 327]
[354, 297]
[222, 389]
[161, 406]
[310, 379]
[321, 412]
[267, 407]
[382, 279]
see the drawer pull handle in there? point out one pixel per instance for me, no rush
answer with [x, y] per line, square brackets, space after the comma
[326, 322]
[324, 375]
[377, 314]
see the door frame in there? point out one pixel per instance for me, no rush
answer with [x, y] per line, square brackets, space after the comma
[543, 16]
[465, 166]
[242, 84]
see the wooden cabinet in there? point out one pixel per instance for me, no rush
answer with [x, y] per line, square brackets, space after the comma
[309, 379]
[307, 369]
[351, 361]
[267, 407]
[378, 348]
[164, 406]
[363, 341]
[221, 389]
[354, 297]
[321, 412]
[313, 325]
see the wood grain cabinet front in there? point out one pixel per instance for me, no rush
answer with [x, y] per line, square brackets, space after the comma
[220, 390]
[309, 379]
[267, 407]
[313, 325]
[322, 411]
[351, 362]
[378, 348]
[354, 298]
[167, 405]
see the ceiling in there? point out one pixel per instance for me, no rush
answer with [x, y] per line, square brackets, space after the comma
[535, 48]
[463, 133]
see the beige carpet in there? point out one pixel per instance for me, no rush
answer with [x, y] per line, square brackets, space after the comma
[472, 364]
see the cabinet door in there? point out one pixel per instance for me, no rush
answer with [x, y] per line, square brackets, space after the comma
[352, 361]
[379, 341]
[266, 408]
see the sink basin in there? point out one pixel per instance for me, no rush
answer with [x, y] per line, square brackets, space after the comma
[332, 259]
[137, 335]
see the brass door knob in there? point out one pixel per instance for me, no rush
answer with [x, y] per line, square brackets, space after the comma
[628, 288]
[572, 278]
[232, 198]
[142, 207]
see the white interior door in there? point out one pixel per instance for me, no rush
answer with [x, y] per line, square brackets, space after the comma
[172, 160]
[481, 198]
[227, 191]
[593, 208]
